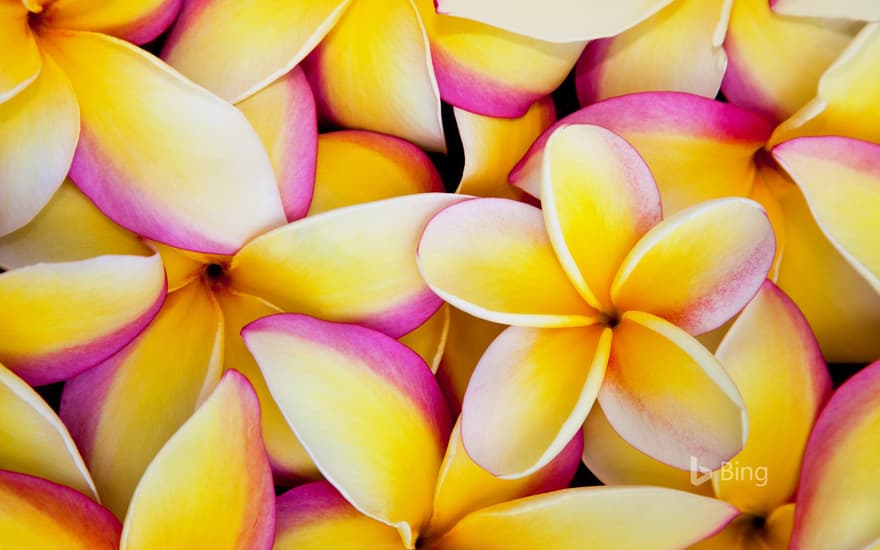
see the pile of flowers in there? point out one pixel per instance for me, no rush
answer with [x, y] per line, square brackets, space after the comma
[458, 275]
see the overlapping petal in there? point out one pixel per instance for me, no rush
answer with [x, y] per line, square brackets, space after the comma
[837, 497]
[210, 486]
[355, 166]
[493, 258]
[555, 20]
[599, 199]
[137, 21]
[283, 114]
[35, 513]
[678, 48]
[697, 149]
[669, 397]
[710, 260]
[859, 10]
[60, 319]
[490, 71]
[373, 71]
[774, 62]
[35, 441]
[353, 264]
[37, 142]
[593, 517]
[122, 411]
[530, 394]
[237, 47]
[19, 69]
[429, 339]
[366, 408]
[161, 156]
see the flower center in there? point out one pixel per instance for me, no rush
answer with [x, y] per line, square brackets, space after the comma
[216, 275]
[611, 319]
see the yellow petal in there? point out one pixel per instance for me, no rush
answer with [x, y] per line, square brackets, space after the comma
[210, 486]
[355, 166]
[137, 21]
[373, 71]
[860, 10]
[122, 411]
[20, 61]
[429, 340]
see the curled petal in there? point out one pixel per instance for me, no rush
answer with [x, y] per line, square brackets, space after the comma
[711, 259]
[366, 408]
[37, 142]
[123, 411]
[60, 319]
[669, 397]
[356, 166]
[530, 394]
[138, 21]
[554, 20]
[210, 486]
[283, 114]
[353, 264]
[160, 155]
[237, 47]
[678, 48]
[593, 517]
[839, 470]
[41, 514]
[373, 71]
[20, 62]
[429, 339]
[859, 10]
[492, 258]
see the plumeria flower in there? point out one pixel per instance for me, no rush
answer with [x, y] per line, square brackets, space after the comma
[580, 283]
[377, 64]
[189, 497]
[373, 417]
[159, 155]
[774, 359]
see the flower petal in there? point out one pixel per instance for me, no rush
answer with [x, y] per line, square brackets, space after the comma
[49, 238]
[840, 178]
[530, 394]
[283, 114]
[697, 149]
[161, 156]
[844, 104]
[490, 71]
[464, 487]
[20, 63]
[37, 141]
[41, 514]
[492, 258]
[669, 397]
[598, 200]
[678, 48]
[839, 470]
[290, 462]
[554, 20]
[710, 260]
[774, 62]
[775, 362]
[190, 499]
[35, 441]
[593, 517]
[138, 21]
[366, 407]
[373, 71]
[122, 411]
[429, 339]
[859, 10]
[353, 264]
[492, 147]
[237, 47]
[60, 319]
[355, 166]
[315, 516]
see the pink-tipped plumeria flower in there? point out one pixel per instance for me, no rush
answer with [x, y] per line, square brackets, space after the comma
[774, 359]
[838, 501]
[373, 417]
[380, 65]
[159, 155]
[605, 299]
[210, 486]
